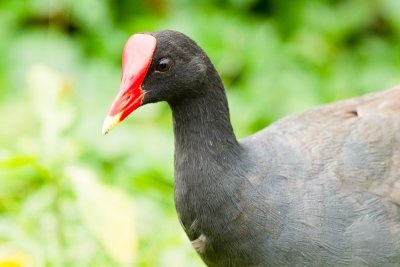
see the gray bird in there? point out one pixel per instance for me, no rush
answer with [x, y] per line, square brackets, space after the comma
[319, 188]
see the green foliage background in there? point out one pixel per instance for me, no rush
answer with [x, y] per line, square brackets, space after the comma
[72, 197]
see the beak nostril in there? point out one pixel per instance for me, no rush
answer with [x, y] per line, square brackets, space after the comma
[126, 98]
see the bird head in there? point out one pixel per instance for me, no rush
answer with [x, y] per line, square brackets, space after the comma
[158, 66]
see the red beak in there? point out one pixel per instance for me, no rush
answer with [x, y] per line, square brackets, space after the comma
[136, 59]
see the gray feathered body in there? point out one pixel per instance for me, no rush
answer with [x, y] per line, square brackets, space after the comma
[320, 188]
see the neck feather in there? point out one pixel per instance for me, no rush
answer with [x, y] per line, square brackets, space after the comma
[202, 127]
[207, 157]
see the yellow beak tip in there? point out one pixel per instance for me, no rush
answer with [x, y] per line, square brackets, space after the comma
[110, 122]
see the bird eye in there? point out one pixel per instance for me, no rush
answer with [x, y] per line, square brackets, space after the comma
[164, 64]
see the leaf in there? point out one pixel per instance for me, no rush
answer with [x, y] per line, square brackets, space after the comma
[107, 212]
[16, 162]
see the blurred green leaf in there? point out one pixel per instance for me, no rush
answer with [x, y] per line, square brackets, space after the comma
[107, 212]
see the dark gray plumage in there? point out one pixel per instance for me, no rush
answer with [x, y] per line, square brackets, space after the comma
[320, 188]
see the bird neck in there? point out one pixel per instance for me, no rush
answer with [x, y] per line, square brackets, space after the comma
[207, 156]
[202, 128]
